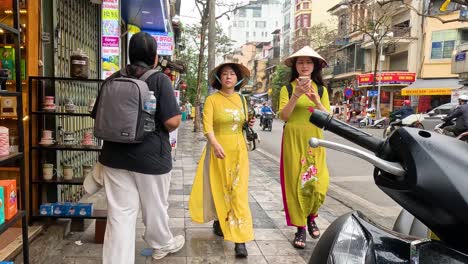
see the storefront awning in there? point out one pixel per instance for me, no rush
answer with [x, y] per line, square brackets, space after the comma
[149, 15]
[431, 87]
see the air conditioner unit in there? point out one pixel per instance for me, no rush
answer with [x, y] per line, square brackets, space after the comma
[389, 49]
[460, 60]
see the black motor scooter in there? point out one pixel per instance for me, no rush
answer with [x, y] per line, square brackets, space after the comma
[424, 172]
[267, 121]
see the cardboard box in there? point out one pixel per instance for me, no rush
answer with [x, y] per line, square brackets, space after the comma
[46, 209]
[2, 207]
[60, 208]
[72, 209]
[85, 209]
[10, 198]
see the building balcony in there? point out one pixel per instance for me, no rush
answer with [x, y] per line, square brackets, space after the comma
[345, 68]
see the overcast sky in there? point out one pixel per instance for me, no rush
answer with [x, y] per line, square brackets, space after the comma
[189, 13]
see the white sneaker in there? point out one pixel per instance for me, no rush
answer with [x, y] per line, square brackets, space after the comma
[176, 245]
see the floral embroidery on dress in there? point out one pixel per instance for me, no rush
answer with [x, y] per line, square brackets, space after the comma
[309, 175]
[230, 188]
[236, 118]
[309, 170]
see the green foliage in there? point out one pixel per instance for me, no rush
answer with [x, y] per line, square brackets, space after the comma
[280, 78]
[190, 55]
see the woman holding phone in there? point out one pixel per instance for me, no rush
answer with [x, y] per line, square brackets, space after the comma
[303, 170]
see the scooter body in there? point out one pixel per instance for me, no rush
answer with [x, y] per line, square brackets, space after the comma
[414, 120]
[267, 121]
[423, 172]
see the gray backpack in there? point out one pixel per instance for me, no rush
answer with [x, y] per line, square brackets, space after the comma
[120, 113]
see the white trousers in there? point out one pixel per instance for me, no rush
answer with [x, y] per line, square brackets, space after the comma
[125, 192]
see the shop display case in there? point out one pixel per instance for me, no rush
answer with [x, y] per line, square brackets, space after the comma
[11, 115]
[62, 148]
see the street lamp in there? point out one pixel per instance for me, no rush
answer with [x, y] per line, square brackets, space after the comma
[381, 58]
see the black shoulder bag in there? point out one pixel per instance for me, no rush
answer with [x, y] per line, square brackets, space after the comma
[249, 134]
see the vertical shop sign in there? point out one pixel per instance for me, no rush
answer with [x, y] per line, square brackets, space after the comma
[110, 38]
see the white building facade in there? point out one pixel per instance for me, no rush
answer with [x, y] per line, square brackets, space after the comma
[255, 22]
[287, 27]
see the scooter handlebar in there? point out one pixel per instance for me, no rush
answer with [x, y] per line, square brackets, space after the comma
[326, 121]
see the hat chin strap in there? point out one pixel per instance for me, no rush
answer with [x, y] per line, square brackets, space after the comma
[219, 80]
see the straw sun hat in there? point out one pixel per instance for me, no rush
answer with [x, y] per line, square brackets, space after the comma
[245, 73]
[306, 51]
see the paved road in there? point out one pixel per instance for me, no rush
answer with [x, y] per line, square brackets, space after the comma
[351, 178]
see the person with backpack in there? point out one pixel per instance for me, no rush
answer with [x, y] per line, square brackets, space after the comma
[136, 153]
[303, 170]
[220, 188]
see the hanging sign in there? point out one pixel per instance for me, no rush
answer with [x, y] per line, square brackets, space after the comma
[110, 39]
[165, 42]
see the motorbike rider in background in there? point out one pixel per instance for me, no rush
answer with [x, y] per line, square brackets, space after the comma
[265, 110]
[405, 111]
[461, 113]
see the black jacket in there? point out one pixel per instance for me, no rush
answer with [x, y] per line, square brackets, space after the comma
[461, 113]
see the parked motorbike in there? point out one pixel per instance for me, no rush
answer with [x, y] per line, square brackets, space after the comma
[370, 121]
[440, 130]
[429, 184]
[267, 121]
[396, 122]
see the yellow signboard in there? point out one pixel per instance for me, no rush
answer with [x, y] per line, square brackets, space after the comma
[426, 91]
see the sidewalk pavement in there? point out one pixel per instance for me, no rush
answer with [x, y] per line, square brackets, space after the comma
[273, 238]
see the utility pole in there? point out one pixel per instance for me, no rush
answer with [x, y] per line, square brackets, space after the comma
[211, 38]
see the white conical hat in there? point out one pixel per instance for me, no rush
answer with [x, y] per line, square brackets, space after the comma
[306, 51]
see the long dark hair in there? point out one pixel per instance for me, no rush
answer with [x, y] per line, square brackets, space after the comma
[217, 84]
[316, 74]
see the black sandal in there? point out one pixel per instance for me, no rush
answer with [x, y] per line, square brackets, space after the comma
[217, 229]
[300, 237]
[312, 228]
[241, 250]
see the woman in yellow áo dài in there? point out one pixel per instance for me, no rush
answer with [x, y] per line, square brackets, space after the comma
[220, 188]
[303, 170]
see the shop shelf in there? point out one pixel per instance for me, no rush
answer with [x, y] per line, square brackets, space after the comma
[10, 158]
[97, 214]
[65, 147]
[64, 79]
[8, 93]
[55, 181]
[59, 113]
[11, 222]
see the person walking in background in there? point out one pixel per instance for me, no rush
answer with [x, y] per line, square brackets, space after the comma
[220, 188]
[303, 170]
[140, 173]
[188, 105]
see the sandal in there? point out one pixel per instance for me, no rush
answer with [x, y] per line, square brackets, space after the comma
[217, 229]
[312, 228]
[300, 238]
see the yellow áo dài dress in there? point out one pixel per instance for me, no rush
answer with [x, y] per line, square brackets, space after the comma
[220, 188]
[303, 170]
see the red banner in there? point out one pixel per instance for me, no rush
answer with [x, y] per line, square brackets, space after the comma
[387, 78]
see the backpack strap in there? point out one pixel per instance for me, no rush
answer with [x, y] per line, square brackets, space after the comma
[147, 74]
[289, 87]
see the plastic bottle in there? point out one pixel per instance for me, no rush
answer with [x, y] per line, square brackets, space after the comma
[150, 107]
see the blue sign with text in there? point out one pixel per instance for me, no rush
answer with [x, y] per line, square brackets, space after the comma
[372, 93]
[460, 56]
